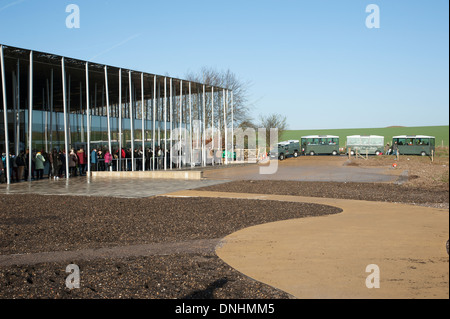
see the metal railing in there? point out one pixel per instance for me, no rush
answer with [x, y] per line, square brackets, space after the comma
[126, 164]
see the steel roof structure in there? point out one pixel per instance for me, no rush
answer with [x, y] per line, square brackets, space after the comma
[34, 81]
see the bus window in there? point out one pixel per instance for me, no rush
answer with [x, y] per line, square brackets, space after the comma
[353, 141]
[377, 140]
[401, 141]
[410, 141]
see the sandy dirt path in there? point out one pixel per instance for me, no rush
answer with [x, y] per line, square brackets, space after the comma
[326, 257]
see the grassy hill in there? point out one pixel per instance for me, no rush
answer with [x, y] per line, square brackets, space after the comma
[440, 132]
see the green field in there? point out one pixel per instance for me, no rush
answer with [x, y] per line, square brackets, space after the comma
[440, 132]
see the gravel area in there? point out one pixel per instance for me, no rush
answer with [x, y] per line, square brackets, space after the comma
[199, 276]
[34, 223]
[434, 197]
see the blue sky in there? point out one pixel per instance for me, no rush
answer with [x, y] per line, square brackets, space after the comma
[314, 61]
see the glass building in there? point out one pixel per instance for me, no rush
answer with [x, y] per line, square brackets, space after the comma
[51, 102]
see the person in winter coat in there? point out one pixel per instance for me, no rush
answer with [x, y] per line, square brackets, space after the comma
[39, 165]
[395, 148]
[81, 161]
[108, 160]
[20, 162]
[56, 163]
[62, 160]
[2, 171]
[94, 160]
[73, 160]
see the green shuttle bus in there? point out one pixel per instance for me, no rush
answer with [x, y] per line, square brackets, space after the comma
[415, 144]
[320, 144]
[365, 144]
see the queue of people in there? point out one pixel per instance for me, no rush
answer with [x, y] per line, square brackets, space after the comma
[53, 164]
[103, 160]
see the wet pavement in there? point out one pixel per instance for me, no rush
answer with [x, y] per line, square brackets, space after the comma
[107, 187]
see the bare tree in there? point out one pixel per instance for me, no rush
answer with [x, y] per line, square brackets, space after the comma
[227, 80]
[277, 121]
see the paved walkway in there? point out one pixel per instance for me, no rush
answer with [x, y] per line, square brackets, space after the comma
[153, 249]
[104, 186]
[326, 257]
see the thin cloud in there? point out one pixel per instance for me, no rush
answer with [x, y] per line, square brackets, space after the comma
[115, 46]
[11, 4]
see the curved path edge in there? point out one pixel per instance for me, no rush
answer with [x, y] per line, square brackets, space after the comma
[333, 257]
[152, 249]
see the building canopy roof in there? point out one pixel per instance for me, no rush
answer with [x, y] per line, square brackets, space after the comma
[12, 54]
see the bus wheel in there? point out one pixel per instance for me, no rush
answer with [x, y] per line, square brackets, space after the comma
[377, 153]
[312, 153]
[334, 153]
[281, 157]
[352, 153]
[295, 154]
[423, 153]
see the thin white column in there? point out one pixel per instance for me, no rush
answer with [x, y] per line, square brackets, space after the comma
[225, 98]
[108, 112]
[15, 107]
[143, 122]
[81, 113]
[30, 116]
[17, 115]
[232, 127]
[5, 116]
[51, 110]
[204, 127]
[191, 149]
[69, 135]
[154, 122]
[131, 121]
[120, 119]
[212, 125]
[171, 122]
[66, 146]
[180, 152]
[158, 113]
[88, 123]
[165, 123]
[219, 132]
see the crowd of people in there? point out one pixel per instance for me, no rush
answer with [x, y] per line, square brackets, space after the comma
[53, 164]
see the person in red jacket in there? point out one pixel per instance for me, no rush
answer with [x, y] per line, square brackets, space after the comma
[124, 155]
[82, 161]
